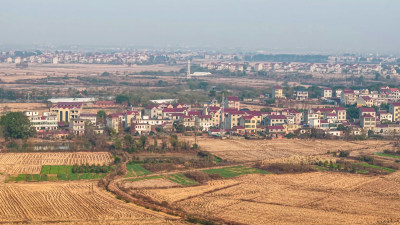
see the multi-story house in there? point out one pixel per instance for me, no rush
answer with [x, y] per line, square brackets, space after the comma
[348, 97]
[232, 102]
[385, 116]
[367, 118]
[277, 92]
[44, 123]
[77, 126]
[394, 109]
[341, 113]
[204, 122]
[88, 117]
[301, 95]
[275, 120]
[66, 111]
[132, 116]
[365, 101]
[233, 118]
[326, 92]
[115, 121]
[249, 123]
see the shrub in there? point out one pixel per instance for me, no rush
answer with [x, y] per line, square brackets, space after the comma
[280, 168]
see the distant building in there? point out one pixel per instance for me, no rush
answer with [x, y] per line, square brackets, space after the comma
[326, 93]
[277, 92]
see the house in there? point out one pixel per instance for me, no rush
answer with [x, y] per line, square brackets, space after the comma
[77, 126]
[394, 109]
[326, 92]
[276, 131]
[341, 113]
[249, 123]
[367, 118]
[66, 111]
[301, 95]
[141, 128]
[88, 117]
[44, 123]
[348, 97]
[232, 102]
[385, 116]
[204, 122]
[365, 101]
[315, 123]
[132, 115]
[275, 120]
[115, 121]
[106, 104]
[335, 133]
[277, 92]
[233, 118]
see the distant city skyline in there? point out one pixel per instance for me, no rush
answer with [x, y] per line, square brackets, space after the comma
[285, 26]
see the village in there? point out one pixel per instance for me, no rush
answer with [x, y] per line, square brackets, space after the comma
[358, 113]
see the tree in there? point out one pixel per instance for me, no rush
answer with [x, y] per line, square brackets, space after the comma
[388, 77]
[16, 125]
[101, 116]
[105, 74]
[122, 99]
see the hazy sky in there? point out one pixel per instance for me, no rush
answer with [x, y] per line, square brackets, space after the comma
[285, 25]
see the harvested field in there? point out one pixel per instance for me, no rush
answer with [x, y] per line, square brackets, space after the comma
[150, 183]
[71, 203]
[308, 198]
[31, 163]
[240, 150]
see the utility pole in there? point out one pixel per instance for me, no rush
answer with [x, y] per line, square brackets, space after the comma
[188, 70]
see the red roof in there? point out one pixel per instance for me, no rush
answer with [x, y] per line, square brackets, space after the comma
[204, 117]
[366, 98]
[214, 108]
[327, 89]
[132, 112]
[194, 113]
[348, 91]
[277, 87]
[396, 104]
[69, 105]
[367, 116]
[232, 98]
[247, 117]
[279, 117]
[171, 110]
[254, 113]
[340, 108]
[87, 115]
[275, 127]
[367, 109]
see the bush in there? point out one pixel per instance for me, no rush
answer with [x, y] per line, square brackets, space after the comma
[344, 153]
[201, 177]
[280, 168]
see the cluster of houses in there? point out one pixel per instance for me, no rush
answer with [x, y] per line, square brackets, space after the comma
[214, 117]
[361, 98]
[331, 68]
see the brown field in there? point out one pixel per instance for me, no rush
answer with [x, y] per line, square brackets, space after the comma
[309, 198]
[20, 107]
[241, 150]
[30, 163]
[71, 203]
[152, 183]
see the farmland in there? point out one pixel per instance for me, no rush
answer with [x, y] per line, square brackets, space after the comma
[252, 150]
[72, 202]
[31, 163]
[335, 198]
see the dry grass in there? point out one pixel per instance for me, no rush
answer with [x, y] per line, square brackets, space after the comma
[241, 150]
[307, 198]
[70, 203]
[30, 163]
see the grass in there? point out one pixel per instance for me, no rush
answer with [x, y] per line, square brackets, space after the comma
[181, 179]
[56, 177]
[56, 170]
[390, 170]
[135, 170]
[387, 155]
[234, 171]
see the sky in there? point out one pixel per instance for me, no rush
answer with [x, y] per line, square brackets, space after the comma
[290, 26]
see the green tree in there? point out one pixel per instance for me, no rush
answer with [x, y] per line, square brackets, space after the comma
[122, 99]
[101, 116]
[16, 125]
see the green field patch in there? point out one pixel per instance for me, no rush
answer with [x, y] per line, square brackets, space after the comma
[390, 170]
[234, 171]
[387, 155]
[56, 170]
[135, 170]
[321, 168]
[180, 179]
[145, 178]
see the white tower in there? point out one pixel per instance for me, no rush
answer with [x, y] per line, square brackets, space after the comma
[188, 70]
